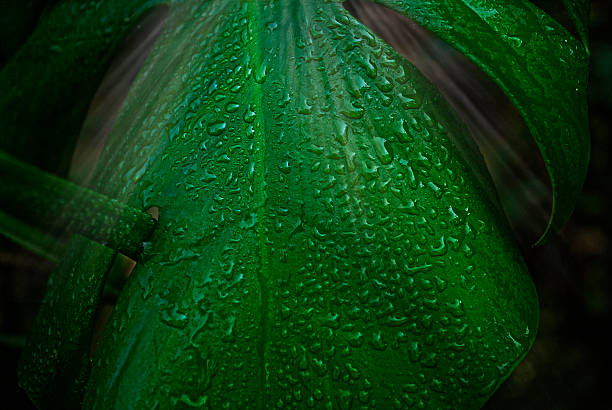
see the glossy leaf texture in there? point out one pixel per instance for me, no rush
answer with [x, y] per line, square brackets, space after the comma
[539, 65]
[326, 235]
[321, 239]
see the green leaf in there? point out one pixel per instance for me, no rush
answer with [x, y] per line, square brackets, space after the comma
[49, 83]
[58, 206]
[578, 11]
[539, 65]
[32, 239]
[324, 239]
[54, 365]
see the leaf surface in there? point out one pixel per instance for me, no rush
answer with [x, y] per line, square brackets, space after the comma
[322, 241]
[578, 11]
[539, 65]
[54, 366]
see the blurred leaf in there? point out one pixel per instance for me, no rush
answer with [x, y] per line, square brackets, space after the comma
[57, 206]
[18, 19]
[48, 84]
[30, 238]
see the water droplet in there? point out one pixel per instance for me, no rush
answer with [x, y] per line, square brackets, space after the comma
[345, 399]
[383, 151]
[212, 87]
[384, 84]
[304, 107]
[409, 101]
[376, 342]
[260, 73]
[401, 131]
[249, 114]
[232, 107]
[208, 177]
[216, 128]
[271, 26]
[343, 133]
[353, 112]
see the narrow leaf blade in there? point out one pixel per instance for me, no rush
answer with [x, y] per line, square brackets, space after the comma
[54, 366]
[55, 205]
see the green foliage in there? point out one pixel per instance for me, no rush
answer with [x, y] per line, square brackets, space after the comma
[54, 204]
[57, 359]
[48, 84]
[323, 239]
[578, 11]
[539, 66]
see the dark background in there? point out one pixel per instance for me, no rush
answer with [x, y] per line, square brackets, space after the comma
[568, 366]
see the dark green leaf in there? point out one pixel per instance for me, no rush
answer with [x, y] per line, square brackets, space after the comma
[54, 366]
[321, 238]
[541, 68]
[48, 84]
[53, 204]
[578, 11]
[32, 239]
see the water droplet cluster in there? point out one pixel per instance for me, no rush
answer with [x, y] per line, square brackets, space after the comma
[321, 241]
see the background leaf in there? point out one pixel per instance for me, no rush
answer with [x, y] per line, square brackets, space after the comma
[541, 68]
[54, 366]
[578, 11]
[48, 84]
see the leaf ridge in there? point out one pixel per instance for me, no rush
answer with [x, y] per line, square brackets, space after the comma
[260, 204]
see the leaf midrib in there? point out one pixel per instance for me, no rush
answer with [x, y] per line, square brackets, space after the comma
[260, 204]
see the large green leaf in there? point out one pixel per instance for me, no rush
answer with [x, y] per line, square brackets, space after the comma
[323, 240]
